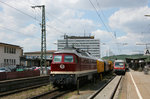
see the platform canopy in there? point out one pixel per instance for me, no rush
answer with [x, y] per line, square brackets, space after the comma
[128, 60]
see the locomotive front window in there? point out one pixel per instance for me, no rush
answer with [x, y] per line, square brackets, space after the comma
[68, 58]
[57, 58]
[119, 64]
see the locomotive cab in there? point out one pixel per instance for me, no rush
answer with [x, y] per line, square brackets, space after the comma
[63, 67]
[64, 62]
[70, 65]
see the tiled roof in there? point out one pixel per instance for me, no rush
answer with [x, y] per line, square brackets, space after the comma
[9, 44]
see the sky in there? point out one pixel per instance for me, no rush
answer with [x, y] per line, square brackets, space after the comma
[119, 24]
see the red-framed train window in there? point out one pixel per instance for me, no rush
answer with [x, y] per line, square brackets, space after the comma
[68, 58]
[57, 58]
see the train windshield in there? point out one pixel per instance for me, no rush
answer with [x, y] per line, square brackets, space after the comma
[119, 64]
[68, 58]
[57, 58]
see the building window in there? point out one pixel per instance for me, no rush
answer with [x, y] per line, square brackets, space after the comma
[14, 62]
[4, 61]
[4, 49]
[14, 50]
[9, 62]
[9, 50]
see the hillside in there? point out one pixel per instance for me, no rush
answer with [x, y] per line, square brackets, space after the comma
[126, 56]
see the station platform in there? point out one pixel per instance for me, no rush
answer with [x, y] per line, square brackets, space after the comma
[135, 85]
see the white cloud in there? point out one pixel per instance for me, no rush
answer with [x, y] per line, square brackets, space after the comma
[29, 44]
[104, 36]
[30, 30]
[136, 26]
[123, 3]
[105, 4]
[130, 20]
[67, 16]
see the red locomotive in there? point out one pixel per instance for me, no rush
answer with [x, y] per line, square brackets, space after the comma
[71, 64]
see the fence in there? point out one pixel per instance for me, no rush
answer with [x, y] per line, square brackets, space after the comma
[20, 74]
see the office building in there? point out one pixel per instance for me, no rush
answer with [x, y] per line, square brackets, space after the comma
[86, 43]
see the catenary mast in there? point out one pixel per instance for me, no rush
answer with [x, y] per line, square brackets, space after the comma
[43, 38]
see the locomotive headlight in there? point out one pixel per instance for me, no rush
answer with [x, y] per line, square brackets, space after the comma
[71, 75]
[53, 75]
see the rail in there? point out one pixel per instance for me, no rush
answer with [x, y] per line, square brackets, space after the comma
[16, 85]
[97, 92]
[108, 90]
[114, 92]
[51, 94]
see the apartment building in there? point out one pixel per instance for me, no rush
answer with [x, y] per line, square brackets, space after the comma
[10, 54]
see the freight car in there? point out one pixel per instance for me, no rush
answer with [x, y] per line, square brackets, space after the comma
[69, 65]
[110, 65]
[104, 66]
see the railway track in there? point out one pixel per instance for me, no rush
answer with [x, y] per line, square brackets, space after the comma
[16, 85]
[51, 94]
[108, 90]
[116, 87]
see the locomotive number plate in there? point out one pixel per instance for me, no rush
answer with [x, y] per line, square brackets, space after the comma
[62, 66]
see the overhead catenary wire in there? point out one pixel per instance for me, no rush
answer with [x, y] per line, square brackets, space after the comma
[50, 25]
[19, 10]
[18, 32]
[29, 15]
[58, 20]
[48, 18]
[113, 36]
[98, 4]
[99, 16]
[9, 29]
[101, 19]
[47, 13]
[100, 8]
[55, 17]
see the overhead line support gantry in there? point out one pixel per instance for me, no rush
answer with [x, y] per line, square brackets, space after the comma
[43, 39]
